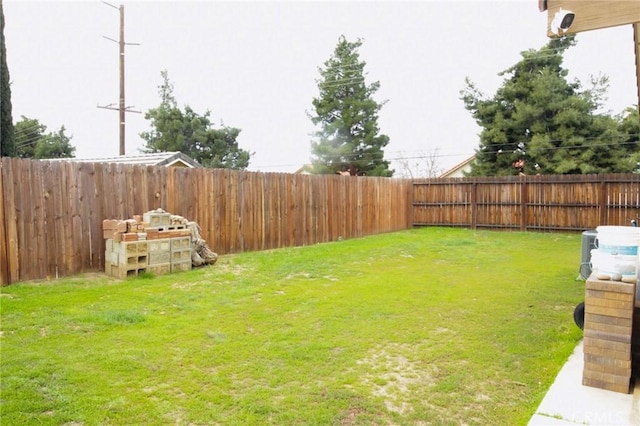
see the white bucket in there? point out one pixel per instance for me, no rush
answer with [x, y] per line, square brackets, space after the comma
[616, 267]
[621, 240]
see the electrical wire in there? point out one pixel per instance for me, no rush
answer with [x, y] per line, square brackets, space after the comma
[349, 156]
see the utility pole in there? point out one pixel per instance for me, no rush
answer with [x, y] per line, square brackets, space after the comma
[122, 109]
[636, 42]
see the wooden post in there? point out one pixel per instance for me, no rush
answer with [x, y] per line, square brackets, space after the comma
[524, 201]
[121, 106]
[474, 204]
[604, 202]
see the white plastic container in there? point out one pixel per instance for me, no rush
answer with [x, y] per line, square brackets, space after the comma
[620, 240]
[616, 267]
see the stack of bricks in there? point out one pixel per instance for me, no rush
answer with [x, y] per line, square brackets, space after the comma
[608, 325]
[152, 243]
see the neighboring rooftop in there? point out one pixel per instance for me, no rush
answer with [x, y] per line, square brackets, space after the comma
[166, 159]
[459, 169]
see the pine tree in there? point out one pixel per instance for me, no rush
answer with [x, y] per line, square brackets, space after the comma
[349, 138]
[539, 123]
[192, 134]
[7, 138]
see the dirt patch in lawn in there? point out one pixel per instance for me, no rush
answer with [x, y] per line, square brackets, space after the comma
[392, 375]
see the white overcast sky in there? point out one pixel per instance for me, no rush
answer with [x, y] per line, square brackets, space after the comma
[254, 65]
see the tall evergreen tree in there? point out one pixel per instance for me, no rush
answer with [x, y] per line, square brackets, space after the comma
[630, 129]
[539, 123]
[192, 134]
[349, 138]
[7, 138]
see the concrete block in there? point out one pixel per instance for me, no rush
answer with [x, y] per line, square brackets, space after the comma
[159, 257]
[160, 269]
[160, 245]
[178, 256]
[180, 243]
[181, 266]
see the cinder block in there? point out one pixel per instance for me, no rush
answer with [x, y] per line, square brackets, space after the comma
[134, 261]
[180, 243]
[178, 256]
[161, 245]
[123, 271]
[181, 266]
[155, 219]
[160, 269]
[131, 248]
[111, 257]
[159, 257]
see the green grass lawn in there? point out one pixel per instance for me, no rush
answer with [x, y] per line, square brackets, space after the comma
[432, 326]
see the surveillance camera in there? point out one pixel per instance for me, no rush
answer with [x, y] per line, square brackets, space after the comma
[562, 20]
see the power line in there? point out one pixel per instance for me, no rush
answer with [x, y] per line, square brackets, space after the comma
[348, 156]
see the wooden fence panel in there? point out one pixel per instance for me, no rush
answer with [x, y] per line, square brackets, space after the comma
[560, 203]
[51, 212]
[446, 202]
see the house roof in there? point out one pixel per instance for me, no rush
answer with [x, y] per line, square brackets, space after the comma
[166, 159]
[458, 169]
[305, 169]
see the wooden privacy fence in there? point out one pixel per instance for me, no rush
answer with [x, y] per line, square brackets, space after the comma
[539, 203]
[51, 213]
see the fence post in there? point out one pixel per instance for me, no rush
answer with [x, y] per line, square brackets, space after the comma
[474, 204]
[603, 199]
[524, 200]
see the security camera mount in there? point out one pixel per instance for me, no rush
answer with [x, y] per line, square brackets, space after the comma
[562, 21]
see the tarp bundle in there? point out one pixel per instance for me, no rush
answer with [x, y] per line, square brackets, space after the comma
[201, 254]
